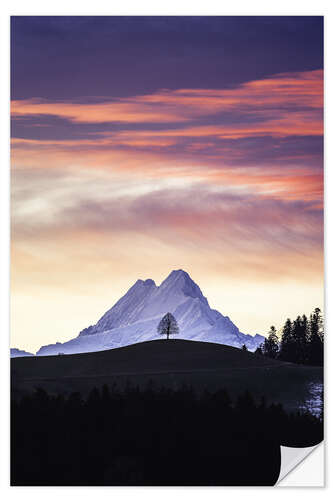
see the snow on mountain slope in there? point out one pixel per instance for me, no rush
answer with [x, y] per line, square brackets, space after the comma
[134, 318]
[18, 353]
[128, 309]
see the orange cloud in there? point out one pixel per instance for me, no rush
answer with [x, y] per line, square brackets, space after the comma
[285, 105]
[303, 183]
[275, 183]
[285, 124]
[303, 89]
[289, 89]
[129, 112]
[300, 184]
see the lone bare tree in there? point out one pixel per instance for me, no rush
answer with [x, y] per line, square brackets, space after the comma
[168, 325]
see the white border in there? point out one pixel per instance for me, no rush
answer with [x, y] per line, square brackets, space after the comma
[136, 7]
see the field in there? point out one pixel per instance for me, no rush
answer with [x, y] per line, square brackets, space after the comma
[172, 363]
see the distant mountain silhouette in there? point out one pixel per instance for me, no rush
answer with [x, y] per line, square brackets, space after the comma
[18, 353]
[134, 318]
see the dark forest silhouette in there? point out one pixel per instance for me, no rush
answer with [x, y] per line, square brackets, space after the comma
[152, 437]
[302, 341]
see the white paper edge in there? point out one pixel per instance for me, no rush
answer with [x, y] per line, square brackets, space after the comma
[296, 471]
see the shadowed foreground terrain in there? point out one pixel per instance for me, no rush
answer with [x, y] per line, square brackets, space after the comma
[126, 417]
[152, 437]
[171, 363]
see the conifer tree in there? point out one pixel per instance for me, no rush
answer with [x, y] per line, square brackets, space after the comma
[316, 339]
[259, 350]
[271, 344]
[300, 334]
[287, 342]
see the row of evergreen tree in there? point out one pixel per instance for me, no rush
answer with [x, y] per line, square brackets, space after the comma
[153, 436]
[302, 341]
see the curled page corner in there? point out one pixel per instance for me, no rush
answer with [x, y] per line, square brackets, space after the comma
[291, 458]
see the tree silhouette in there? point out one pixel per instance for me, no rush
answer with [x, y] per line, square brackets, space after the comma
[302, 340]
[168, 325]
[316, 338]
[259, 349]
[271, 344]
[299, 329]
[288, 348]
[244, 347]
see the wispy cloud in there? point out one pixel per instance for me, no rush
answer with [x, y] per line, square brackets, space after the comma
[276, 94]
[206, 214]
[208, 133]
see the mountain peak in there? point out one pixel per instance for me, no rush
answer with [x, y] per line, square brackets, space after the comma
[145, 283]
[180, 280]
[136, 315]
[179, 272]
[176, 274]
[149, 282]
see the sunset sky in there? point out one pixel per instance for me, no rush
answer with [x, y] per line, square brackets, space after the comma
[142, 145]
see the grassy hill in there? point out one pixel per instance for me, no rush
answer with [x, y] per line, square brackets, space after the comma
[170, 363]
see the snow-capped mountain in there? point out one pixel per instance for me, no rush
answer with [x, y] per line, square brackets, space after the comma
[134, 318]
[18, 353]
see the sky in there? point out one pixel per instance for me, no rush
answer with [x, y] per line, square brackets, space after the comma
[140, 145]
